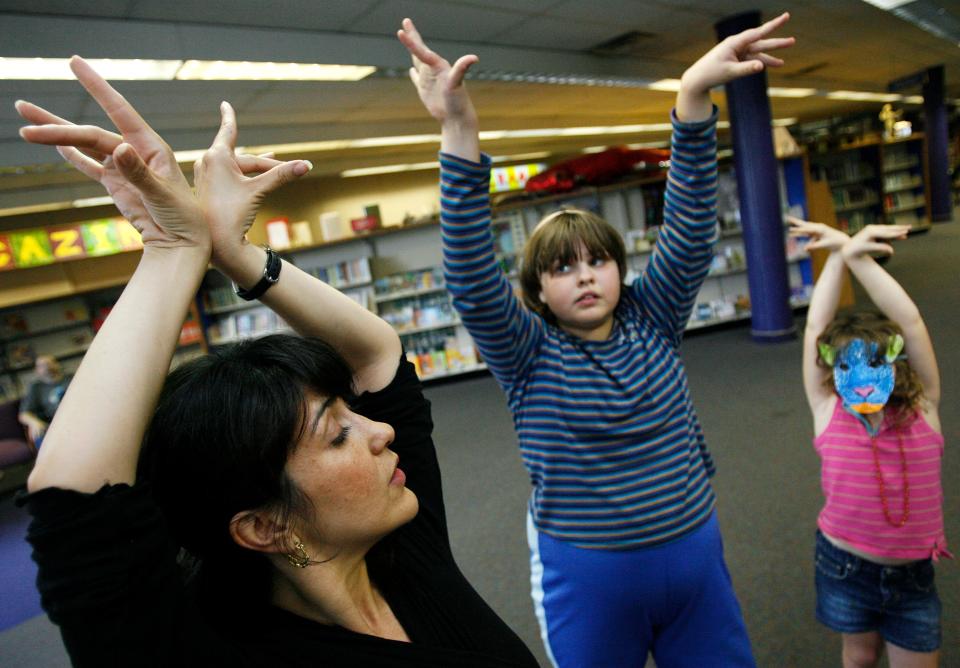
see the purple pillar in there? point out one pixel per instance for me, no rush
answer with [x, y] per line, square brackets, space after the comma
[758, 188]
[935, 113]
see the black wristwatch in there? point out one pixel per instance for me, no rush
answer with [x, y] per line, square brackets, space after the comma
[271, 274]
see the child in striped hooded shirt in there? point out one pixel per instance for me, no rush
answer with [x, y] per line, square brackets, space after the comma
[873, 387]
[621, 517]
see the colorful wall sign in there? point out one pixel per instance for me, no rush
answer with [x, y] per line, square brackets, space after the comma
[21, 249]
[513, 177]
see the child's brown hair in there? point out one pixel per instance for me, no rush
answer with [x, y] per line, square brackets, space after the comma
[874, 327]
[557, 239]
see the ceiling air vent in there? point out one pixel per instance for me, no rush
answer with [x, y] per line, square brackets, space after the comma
[633, 43]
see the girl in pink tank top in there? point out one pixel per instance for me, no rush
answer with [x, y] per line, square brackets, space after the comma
[874, 389]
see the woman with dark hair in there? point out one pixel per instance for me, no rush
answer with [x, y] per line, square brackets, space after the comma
[266, 520]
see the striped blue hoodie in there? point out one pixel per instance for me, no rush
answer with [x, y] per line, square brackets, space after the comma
[607, 429]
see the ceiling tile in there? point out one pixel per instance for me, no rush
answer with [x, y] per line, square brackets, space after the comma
[435, 19]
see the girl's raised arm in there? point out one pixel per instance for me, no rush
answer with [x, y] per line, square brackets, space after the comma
[890, 297]
[823, 308]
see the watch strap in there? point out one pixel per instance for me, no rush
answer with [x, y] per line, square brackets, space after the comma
[271, 274]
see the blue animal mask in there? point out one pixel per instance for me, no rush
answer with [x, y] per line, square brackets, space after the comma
[863, 374]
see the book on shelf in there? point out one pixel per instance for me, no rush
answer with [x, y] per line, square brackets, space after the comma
[363, 296]
[436, 353]
[41, 317]
[849, 171]
[854, 195]
[903, 199]
[423, 279]
[246, 324]
[341, 274]
[898, 180]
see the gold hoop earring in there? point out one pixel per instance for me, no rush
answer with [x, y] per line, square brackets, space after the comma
[299, 559]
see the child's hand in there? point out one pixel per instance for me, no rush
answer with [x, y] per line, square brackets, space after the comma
[737, 56]
[821, 236]
[439, 84]
[870, 240]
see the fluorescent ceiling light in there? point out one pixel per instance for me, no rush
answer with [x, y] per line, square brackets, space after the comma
[665, 84]
[536, 155]
[887, 4]
[136, 69]
[389, 169]
[109, 68]
[776, 91]
[92, 201]
[634, 147]
[34, 208]
[223, 70]
[783, 122]
[400, 140]
[913, 99]
[650, 144]
[863, 96]
[414, 166]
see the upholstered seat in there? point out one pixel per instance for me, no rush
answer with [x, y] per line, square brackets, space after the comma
[16, 452]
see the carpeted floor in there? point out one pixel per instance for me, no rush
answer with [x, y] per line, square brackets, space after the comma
[758, 427]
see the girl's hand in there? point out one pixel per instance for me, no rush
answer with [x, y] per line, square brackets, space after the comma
[136, 167]
[871, 240]
[439, 84]
[821, 236]
[229, 198]
[737, 56]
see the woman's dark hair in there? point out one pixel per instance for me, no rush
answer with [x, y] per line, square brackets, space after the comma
[874, 327]
[219, 440]
[557, 239]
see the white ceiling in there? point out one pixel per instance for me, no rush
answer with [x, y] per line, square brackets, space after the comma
[841, 44]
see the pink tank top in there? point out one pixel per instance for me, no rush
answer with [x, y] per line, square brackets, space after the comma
[854, 508]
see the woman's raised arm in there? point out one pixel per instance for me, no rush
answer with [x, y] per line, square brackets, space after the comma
[313, 308]
[95, 437]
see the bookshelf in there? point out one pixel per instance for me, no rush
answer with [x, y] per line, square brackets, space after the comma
[64, 328]
[878, 181]
[854, 175]
[395, 272]
[905, 197]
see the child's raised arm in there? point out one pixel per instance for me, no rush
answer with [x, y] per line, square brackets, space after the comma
[823, 308]
[506, 334]
[890, 297]
[441, 89]
[736, 56]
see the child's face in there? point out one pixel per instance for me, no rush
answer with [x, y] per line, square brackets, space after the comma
[582, 294]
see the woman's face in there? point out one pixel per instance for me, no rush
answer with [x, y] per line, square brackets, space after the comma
[344, 466]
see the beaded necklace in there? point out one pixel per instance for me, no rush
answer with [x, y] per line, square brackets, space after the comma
[906, 484]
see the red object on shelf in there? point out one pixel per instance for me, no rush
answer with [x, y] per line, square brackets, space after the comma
[190, 333]
[364, 224]
[100, 317]
[595, 169]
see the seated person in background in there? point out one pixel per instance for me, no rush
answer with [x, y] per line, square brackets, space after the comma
[42, 397]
